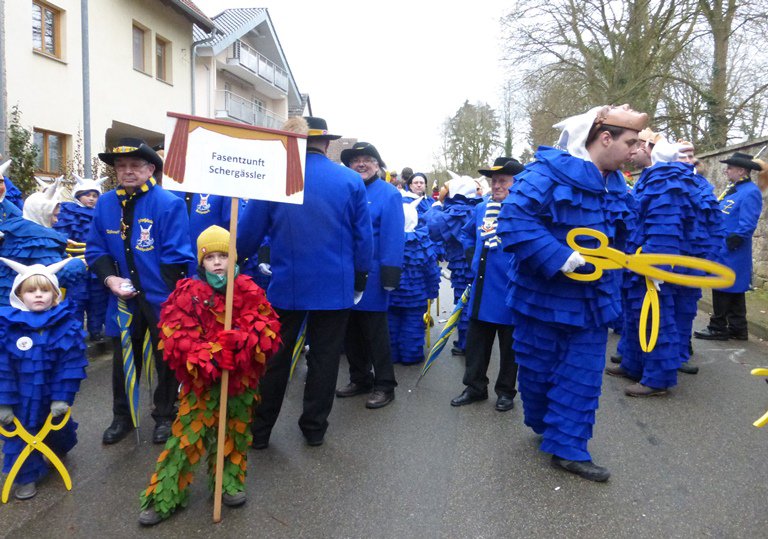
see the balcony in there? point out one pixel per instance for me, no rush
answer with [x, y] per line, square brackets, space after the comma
[237, 107]
[247, 63]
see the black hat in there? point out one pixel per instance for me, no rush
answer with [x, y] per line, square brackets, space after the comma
[503, 165]
[134, 147]
[361, 148]
[743, 160]
[318, 129]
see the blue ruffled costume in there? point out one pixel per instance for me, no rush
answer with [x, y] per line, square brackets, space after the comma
[560, 324]
[445, 224]
[677, 213]
[75, 222]
[419, 282]
[29, 243]
[50, 370]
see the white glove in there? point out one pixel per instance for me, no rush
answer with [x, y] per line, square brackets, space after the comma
[574, 261]
[358, 297]
[265, 269]
[667, 152]
[6, 415]
[657, 284]
[59, 408]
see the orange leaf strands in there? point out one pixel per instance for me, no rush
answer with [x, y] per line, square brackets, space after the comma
[176, 429]
[192, 454]
[229, 445]
[184, 442]
[162, 456]
[236, 457]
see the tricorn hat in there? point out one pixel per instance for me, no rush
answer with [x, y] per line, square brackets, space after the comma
[318, 128]
[503, 165]
[743, 160]
[361, 148]
[134, 147]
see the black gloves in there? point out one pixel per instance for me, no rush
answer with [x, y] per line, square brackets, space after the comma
[733, 242]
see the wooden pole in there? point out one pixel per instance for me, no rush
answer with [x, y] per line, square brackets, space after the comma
[222, 434]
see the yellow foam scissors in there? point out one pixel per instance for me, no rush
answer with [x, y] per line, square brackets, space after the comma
[604, 258]
[35, 443]
[764, 419]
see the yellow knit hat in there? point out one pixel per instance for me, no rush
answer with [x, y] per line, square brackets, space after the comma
[211, 240]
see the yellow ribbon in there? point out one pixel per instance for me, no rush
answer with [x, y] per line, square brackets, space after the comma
[604, 258]
[428, 323]
[764, 419]
[35, 443]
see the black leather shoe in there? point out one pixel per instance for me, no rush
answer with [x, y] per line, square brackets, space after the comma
[468, 396]
[351, 389]
[379, 399]
[709, 335]
[119, 429]
[234, 500]
[687, 368]
[260, 443]
[504, 403]
[618, 370]
[456, 351]
[314, 441]
[616, 358]
[585, 469]
[738, 336]
[162, 432]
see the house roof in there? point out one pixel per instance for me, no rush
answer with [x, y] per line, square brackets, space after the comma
[194, 13]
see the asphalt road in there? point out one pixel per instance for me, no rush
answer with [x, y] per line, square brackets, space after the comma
[686, 465]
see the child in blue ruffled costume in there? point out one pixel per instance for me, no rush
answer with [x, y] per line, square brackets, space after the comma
[74, 221]
[7, 208]
[42, 362]
[30, 239]
[419, 282]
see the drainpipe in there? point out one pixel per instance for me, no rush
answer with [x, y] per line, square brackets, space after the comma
[3, 86]
[195, 45]
[85, 44]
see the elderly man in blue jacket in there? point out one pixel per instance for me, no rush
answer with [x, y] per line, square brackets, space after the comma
[489, 315]
[138, 245]
[741, 205]
[367, 342]
[320, 257]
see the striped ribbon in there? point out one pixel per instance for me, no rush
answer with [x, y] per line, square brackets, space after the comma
[488, 229]
[302, 338]
[132, 382]
[450, 326]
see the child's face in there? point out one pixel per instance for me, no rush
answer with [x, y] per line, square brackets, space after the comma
[216, 263]
[36, 299]
[89, 199]
[55, 215]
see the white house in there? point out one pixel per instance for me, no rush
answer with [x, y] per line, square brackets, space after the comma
[241, 73]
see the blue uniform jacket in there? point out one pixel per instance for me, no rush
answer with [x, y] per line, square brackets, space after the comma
[386, 208]
[316, 247]
[741, 210]
[489, 288]
[554, 194]
[159, 236]
[204, 211]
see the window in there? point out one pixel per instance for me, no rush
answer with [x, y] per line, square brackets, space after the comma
[46, 29]
[51, 151]
[140, 48]
[162, 59]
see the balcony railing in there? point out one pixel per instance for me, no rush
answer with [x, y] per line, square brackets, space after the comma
[245, 110]
[252, 60]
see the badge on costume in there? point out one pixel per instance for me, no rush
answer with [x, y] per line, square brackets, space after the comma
[24, 343]
[145, 242]
[203, 206]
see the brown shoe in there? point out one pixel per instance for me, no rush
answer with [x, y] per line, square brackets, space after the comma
[379, 399]
[639, 390]
[619, 371]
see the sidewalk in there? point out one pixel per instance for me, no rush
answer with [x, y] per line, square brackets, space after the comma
[757, 311]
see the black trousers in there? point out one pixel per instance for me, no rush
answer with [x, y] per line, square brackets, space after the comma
[730, 313]
[367, 346]
[480, 337]
[325, 330]
[164, 397]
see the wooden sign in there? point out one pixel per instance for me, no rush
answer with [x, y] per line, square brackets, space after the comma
[235, 160]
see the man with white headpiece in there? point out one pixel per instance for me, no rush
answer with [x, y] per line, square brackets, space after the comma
[561, 324]
[677, 213]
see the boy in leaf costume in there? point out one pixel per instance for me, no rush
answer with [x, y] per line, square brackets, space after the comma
[197, 348]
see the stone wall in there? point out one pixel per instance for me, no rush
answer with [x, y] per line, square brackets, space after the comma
[716, 174]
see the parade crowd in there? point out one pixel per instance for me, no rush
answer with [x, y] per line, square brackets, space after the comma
[353, 270]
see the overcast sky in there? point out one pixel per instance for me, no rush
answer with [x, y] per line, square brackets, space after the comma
[389, 73]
